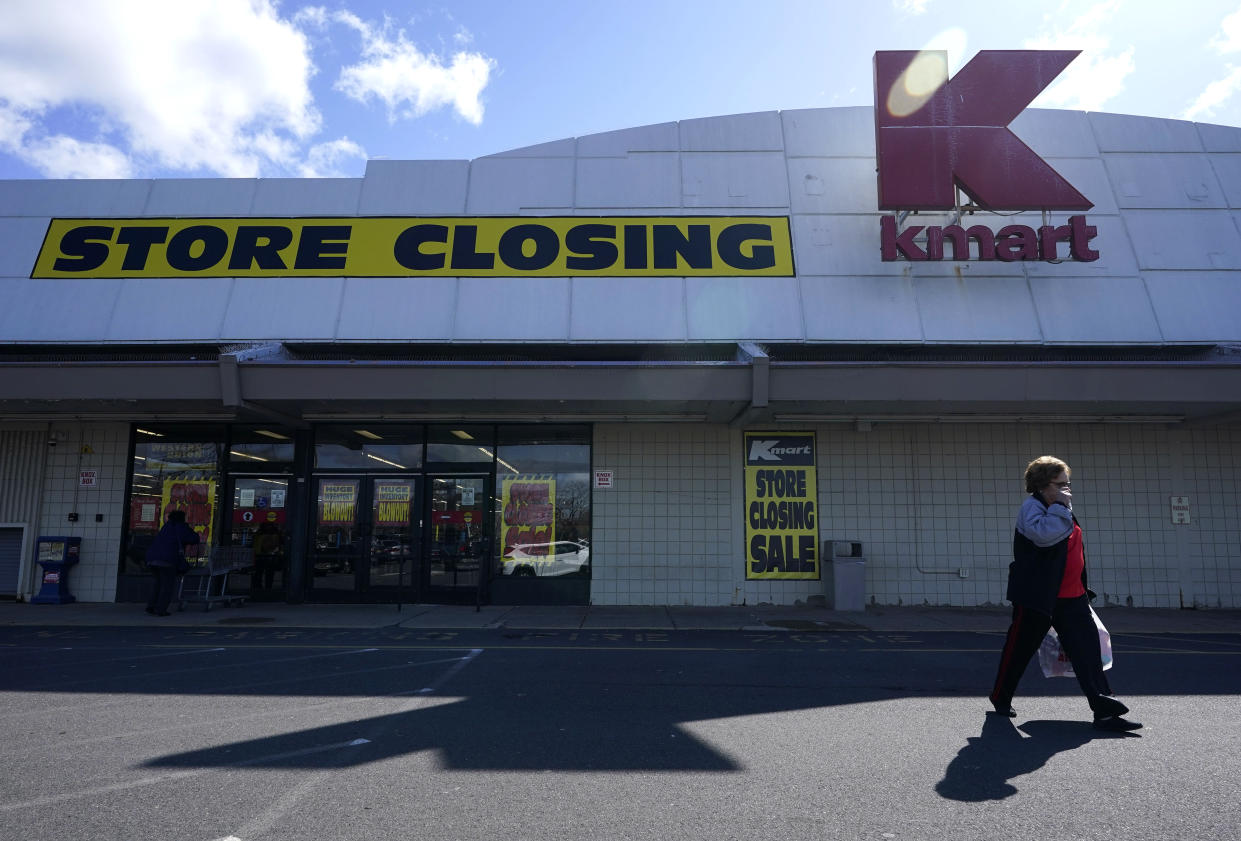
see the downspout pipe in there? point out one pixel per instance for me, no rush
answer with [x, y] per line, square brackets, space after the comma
[230, 383]
[760, 384]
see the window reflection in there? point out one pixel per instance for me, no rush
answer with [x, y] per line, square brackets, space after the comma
[170, 475]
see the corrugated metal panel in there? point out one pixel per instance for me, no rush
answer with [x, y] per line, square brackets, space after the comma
[22, 454]
[10, 560]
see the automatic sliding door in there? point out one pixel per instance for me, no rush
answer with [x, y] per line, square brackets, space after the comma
[456, 528]
[338, 548]
[394, 535]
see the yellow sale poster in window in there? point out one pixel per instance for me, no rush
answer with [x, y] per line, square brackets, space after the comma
[781, 502]
[529, 518]
[338, 502]
[196, 498]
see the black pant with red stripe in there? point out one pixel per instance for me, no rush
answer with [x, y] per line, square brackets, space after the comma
[1072, 620]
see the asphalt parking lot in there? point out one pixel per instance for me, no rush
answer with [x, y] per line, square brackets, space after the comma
[219, 732]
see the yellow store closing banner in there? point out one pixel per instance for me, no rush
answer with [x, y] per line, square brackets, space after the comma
[781, 504]
[485, 246]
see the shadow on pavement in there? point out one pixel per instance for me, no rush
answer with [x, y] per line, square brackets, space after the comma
[471, 735]
[983, 769]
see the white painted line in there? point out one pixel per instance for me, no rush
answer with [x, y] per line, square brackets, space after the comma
[461, 664]
[64, 797]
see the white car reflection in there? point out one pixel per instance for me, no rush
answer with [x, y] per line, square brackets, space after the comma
[562, 557]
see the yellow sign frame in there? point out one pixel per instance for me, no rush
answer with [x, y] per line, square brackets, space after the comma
[781, 507]
[491, 246]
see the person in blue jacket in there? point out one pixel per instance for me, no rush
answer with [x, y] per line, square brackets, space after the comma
[1047, 586]
[164, 559]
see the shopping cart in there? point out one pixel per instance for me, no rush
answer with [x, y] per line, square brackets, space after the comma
[207, 579]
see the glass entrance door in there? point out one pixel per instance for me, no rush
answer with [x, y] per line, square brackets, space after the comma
[366, 538]
[394, 537]
[261, 520]
[456, 530]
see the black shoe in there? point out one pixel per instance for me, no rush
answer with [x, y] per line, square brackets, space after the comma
[151, 610]
[1105, 705]
[1116, 724]
[1004, 709]
[165, 613]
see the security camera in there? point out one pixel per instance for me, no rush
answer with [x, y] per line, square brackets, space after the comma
[51, 442]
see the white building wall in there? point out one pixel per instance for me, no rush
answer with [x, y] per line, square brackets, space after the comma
[933, 506]
[1167, 198]
[103, 448]
[666, 533]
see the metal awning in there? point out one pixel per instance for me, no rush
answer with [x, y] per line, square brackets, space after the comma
[742, 384]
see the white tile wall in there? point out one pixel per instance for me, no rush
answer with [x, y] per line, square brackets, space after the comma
[1211, 543]
[665, 533]
[103, 448]
[926, 501]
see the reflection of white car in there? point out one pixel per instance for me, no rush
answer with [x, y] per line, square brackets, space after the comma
[563, 557]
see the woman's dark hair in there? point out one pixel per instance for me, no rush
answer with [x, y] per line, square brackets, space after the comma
[1042, 470]
[176, 515]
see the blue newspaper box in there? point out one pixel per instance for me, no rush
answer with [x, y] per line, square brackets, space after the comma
[56, 555]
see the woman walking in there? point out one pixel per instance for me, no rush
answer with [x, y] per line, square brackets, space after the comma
[1047, 586]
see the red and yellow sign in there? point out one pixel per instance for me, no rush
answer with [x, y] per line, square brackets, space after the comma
[393, 500]
[196, 498]
[529, 517]
[338, 502]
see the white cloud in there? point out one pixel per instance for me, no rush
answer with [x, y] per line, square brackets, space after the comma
[324, 159]
[1098, 74]
[407, 80]
[1228, 39]
[1214, 96]
[71, 158]
[910, 7]
[221, 87]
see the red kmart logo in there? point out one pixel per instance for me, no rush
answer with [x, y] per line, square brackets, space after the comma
[934, 134]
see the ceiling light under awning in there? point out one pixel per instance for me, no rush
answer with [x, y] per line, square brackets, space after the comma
[385, 461]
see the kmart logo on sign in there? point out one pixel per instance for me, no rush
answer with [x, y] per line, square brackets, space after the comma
[772, 451]
[937, 137]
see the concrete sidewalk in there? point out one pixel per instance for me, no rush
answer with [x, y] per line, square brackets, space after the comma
[596, 617]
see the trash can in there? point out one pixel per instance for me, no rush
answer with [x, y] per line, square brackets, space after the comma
[56, 555]
[848, 578]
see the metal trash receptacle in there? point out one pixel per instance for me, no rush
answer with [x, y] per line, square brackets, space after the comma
[848, 574]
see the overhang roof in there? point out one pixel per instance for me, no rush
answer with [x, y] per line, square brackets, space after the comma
[720, 383]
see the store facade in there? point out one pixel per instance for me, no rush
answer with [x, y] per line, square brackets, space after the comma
[588, 371]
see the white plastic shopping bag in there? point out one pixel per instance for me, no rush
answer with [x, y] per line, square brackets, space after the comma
[1105, 640]
[1053, 660]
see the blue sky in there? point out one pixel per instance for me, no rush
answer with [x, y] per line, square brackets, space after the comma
[256, 88]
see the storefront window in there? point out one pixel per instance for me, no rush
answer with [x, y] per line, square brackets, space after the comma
[172, 469]
[260, 449]
[461, 445]
[369, 447]
[543, 505]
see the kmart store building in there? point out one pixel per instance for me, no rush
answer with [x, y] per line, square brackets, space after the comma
[663, 365]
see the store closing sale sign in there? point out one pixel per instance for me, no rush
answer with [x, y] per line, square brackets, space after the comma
[781, 502]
